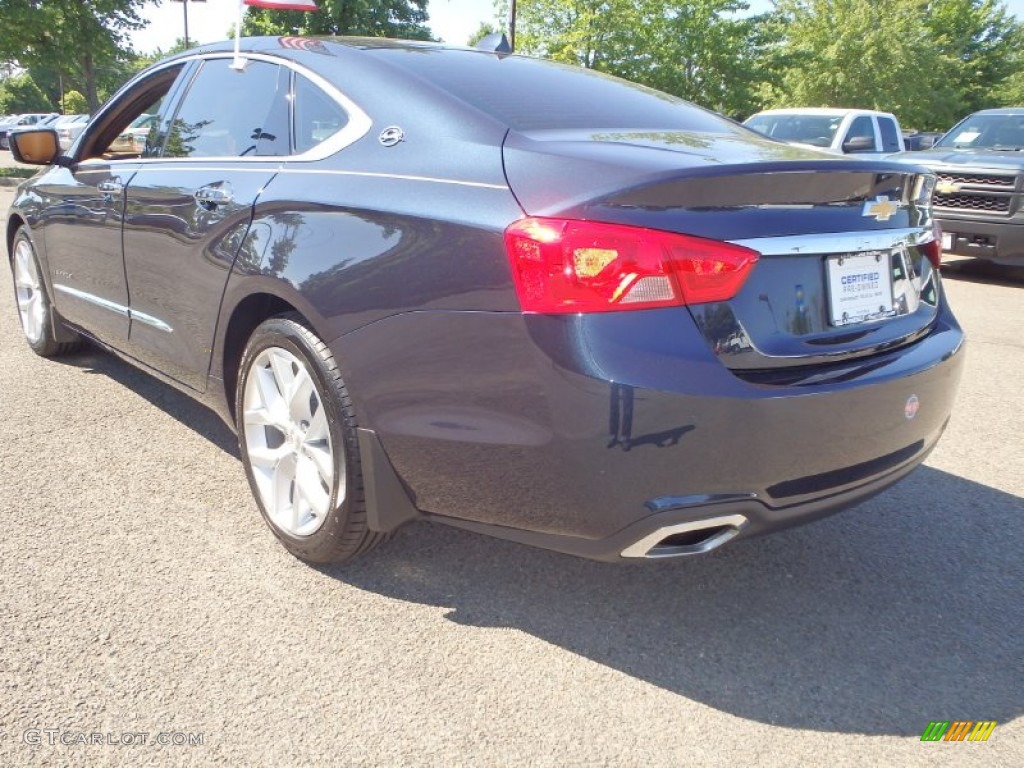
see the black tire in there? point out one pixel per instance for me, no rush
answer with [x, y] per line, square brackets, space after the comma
[343, 533]
[45, 343]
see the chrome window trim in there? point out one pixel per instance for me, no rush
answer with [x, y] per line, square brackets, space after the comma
[399, 176]
[358, 125]
[838, 242]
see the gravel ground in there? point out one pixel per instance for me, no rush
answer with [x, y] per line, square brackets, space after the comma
[140, 593]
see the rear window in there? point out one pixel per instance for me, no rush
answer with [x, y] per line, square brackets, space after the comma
[529, 94]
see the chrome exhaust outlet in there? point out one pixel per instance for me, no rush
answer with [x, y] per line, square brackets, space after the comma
[693, 538]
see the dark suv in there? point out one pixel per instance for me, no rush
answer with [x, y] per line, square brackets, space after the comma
[980, 187]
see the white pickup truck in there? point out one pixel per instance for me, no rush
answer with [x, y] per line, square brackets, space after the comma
[841, 131]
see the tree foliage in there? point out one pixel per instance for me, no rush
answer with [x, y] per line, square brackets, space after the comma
[930, 62]
[21, 94]
[81, 43]
[703, 50]
[75, 103]
[980, 44]
[375, 18]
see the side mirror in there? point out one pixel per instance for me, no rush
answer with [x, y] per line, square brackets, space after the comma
[859, 144]
[38, 146]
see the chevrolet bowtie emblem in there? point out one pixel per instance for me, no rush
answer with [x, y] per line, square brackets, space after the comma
[881, 208]
[947, 187]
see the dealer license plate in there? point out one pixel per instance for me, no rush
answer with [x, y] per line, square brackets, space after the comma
[859, 287]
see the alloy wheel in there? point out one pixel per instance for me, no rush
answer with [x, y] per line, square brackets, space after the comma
[288, 443]
[29, 292]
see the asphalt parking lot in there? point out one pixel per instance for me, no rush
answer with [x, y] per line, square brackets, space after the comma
[142, 595]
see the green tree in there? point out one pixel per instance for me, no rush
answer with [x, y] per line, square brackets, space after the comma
[75, 103]
[702, 50]
[981, 44]
[873, 54]
[84, 42]
[1011, 92]
[929, 61]
[376, 18]
[21, 94]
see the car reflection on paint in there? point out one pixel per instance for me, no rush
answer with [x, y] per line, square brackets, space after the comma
[517, 297]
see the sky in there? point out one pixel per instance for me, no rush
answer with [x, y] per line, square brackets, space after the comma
[451, 20]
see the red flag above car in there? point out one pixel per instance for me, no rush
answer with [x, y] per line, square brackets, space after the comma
[284, 5]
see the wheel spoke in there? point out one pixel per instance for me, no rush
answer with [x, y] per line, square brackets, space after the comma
[267, 458]
[299, 397]
[319, 453]
[23, 257]
[262, 417]
[284, 376]
[318, 430]
[307, 482]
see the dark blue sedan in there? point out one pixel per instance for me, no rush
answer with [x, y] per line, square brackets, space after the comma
[521, 298]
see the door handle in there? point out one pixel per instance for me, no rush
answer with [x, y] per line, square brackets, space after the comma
[110, 187]
[210, 197]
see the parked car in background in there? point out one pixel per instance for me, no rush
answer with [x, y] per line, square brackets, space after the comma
[70, 129]
[915, 141]
[514, 296]
[979, 192]
[840, 131]
[21, 121]
[132, 140]
[50, 121]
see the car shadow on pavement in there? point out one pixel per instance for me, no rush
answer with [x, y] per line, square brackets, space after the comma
[981, 271]
[874, 621]
[175, 404]
[903, 610]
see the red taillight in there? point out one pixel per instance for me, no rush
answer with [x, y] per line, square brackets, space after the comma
[563, 265]
[933, 248]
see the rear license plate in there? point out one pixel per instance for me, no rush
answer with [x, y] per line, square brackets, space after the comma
[947, 241]
[859, 287]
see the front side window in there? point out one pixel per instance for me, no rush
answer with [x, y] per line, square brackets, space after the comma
[861, 128]
[118, 134]
[229, 113]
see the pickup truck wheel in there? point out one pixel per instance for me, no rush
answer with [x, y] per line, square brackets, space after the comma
[297, 439]
[33, 302]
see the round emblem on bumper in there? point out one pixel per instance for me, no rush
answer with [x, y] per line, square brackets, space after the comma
[911, 407]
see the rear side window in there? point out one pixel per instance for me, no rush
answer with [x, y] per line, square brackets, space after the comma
[529, 94]
[227, 113]
[890, 136]
[317, 115]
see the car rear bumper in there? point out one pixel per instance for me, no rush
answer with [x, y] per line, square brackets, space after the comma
[1001, 241]
[589, 434]
[691, 525]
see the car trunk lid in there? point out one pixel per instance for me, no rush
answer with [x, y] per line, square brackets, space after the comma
[843, 271]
